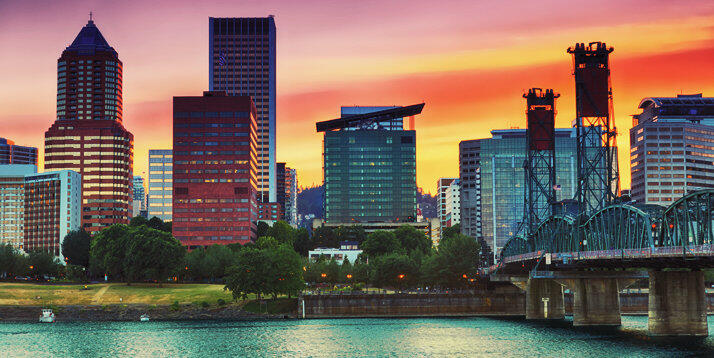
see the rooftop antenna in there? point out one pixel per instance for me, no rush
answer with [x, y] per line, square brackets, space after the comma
[90, 16]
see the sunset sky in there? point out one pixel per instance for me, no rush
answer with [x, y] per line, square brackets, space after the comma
[470, 61]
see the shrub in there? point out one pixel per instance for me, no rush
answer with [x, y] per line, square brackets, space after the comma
[221, 302]
[204, 304]
[175, 306]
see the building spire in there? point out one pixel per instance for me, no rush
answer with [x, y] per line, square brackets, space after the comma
[90, 16]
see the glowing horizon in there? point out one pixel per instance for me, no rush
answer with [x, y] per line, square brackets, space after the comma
[469, 62]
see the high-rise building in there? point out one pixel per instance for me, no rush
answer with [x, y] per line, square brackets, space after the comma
[138, 196]
[470, 185]
[10, 153]
[369, 168]
[291, 190]
[287, 192]
[242, 63]
[12, 203]
[52, 209]
[38, 210]
[453, 203]
[442, 186]
[160, 183]
[214, 169]
[671, 148]
[270, 212]
[88, 136]
[495, 170]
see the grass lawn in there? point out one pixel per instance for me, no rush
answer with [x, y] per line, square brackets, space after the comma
[110, 293]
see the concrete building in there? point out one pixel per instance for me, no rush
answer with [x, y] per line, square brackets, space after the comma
[270, 212]
[88, 136]
[52, 209]
[12, 203]
[470, 186]
[160, 184]
[214, 169]
[370, 167]
[138, 196]
[10, 153]
[38, 210]
[671, 148]
[448, 191]
[494, 168]
[242, 54]
[287, 192]
[429, 227]
[348, 250]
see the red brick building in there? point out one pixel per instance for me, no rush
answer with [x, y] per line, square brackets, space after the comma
[88, 136]
[214, 169]
[270, 212]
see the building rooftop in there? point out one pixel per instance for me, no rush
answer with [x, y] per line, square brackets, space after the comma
[90, 40]
[369, 118]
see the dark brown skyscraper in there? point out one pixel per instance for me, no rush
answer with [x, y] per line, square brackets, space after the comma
[88, 136]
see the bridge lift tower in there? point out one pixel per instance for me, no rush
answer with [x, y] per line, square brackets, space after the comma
[540, 157]
[598, 178]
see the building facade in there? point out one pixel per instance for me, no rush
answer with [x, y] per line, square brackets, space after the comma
[287, 192]
[242, 63]
[370, 175]
[10, 153]
[453, 204]
[52, 209]
[270, 212]
[88, 136]
[138, 196]
[214, 169]
[445, 208]
[12, 203]
[495, 170]
[470, 186]
[671, 148]
[159, 199]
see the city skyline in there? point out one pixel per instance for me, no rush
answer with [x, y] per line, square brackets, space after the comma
[471, 75]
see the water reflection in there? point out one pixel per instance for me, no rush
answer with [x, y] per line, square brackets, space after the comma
[345, 338]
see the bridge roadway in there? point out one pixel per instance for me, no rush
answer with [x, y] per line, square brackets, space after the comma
[598, 256]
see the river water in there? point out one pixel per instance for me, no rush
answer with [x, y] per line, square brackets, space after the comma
[413, 337]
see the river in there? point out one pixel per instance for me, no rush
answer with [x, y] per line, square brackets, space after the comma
[413, 337]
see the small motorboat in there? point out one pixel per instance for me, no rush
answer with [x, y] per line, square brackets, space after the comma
[144, 318]
[47, 316]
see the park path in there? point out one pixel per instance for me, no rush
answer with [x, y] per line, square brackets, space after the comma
[99, 294]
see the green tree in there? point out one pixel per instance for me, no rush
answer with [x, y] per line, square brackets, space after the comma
[455, 263]
[394, 270]
[303, 243]
[283, 232]
[262, 229]
[380, 243]
[43, 264]
[411, 239]
[158, 224]
[266, 243]
[286, 269]
[137, 221]
[108, 251]
[151, 255]
[219, 258]
[324, 236]
[350, 233]
[249, 275]
[451, 231]
[75, 247]
[12, 262]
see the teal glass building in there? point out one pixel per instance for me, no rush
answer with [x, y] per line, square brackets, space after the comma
[501, 182]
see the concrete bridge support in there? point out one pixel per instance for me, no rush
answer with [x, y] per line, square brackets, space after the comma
[544, 299]
[596, 301]
[677, 303]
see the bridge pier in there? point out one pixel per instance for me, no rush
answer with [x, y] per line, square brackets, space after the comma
[596, 301]
[544, 299]
[677, 303]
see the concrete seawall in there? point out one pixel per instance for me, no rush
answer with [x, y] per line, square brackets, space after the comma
[502, 302]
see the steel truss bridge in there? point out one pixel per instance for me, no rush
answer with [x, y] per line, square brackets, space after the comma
[621, 236]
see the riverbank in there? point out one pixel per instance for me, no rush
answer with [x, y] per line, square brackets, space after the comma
[79, 313]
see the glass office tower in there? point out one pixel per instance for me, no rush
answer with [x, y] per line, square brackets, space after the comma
[160, 183]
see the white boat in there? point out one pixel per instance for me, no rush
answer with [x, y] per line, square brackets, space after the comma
[144, 318]
[47, 316]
